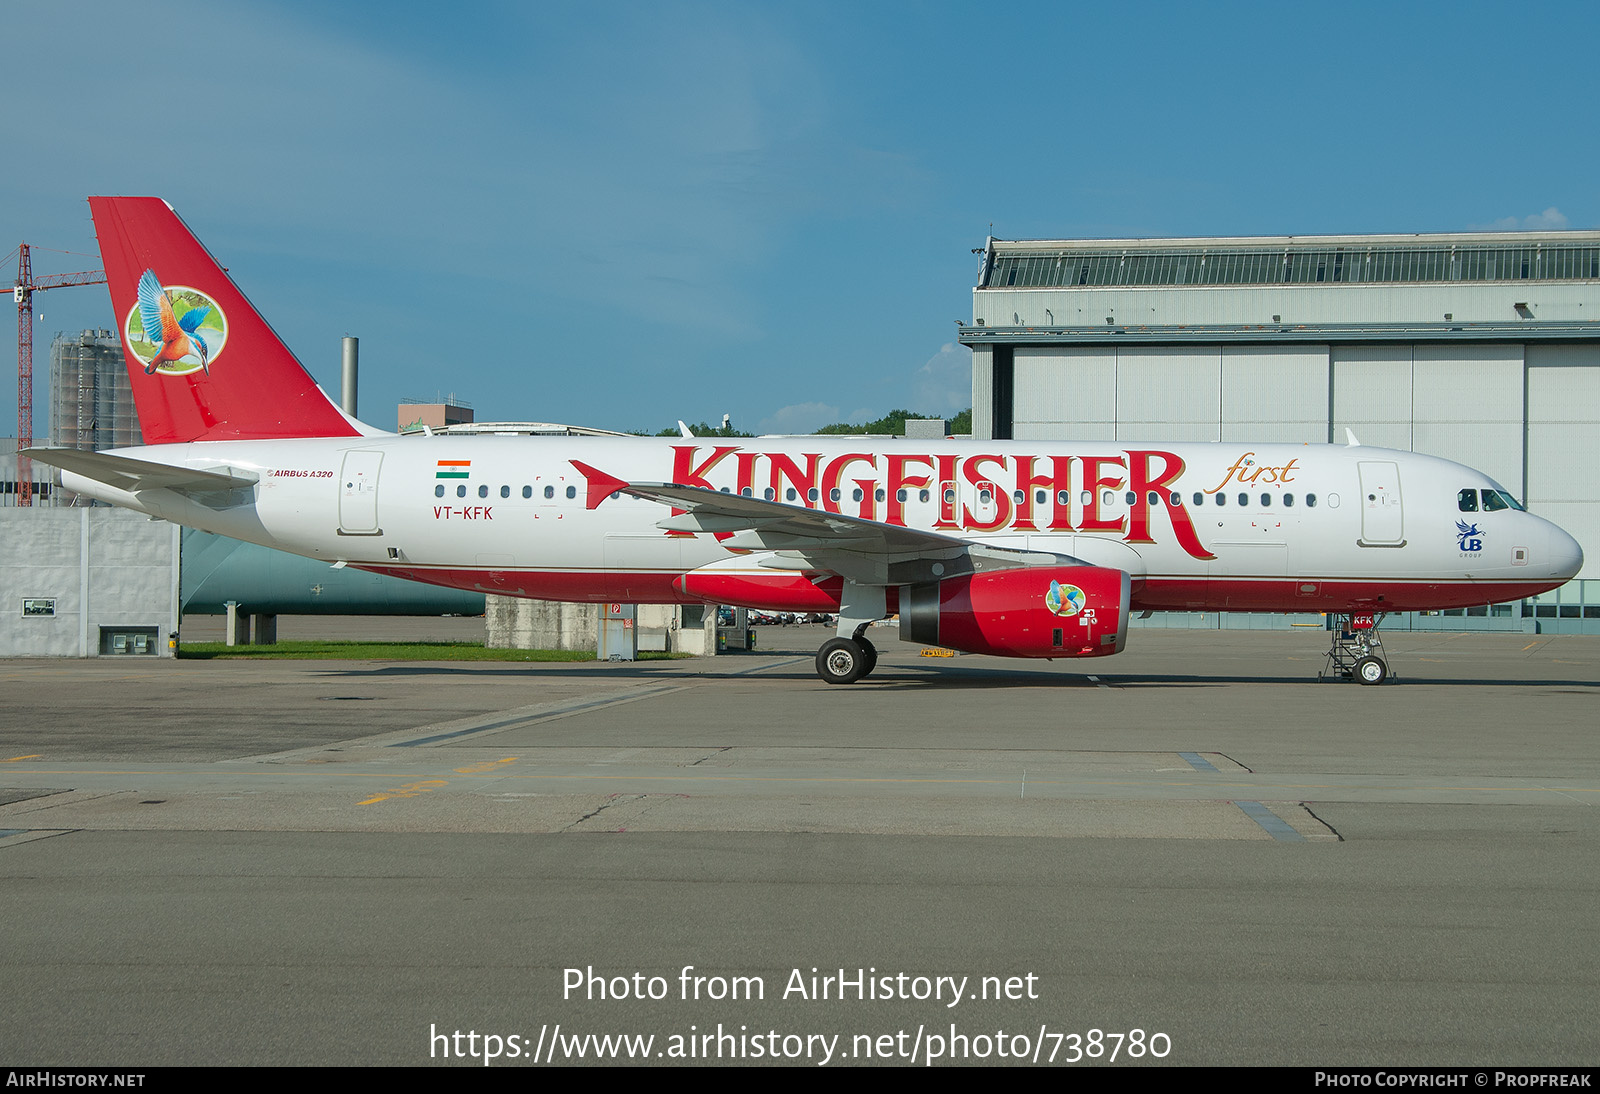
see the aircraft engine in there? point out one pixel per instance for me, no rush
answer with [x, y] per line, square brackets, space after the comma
[1045, 611]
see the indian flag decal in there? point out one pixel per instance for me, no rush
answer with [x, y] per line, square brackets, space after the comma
[454, 469]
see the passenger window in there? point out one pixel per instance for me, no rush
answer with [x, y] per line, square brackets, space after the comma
[1018, 497]
[769, 494]
[1222, 499]
[549, 491]
[1063, 498]
[461, 491]
[1311, 501]
[1199, 498]
[880, 493]
[572, 491]
[923, 495]
[1040, 497]
[438, 491]
[790, 495]
[833, 495]
[1288, 501]
[985, 497]
[527, 492]
[855, 495]
[1175, 498]
[1086, 498]
[1244, 500]
[899, 495]
[949, 495]
[505, 491]
[727, 490]
[483, 491]
[1130, 497]
[746, 493]
[812, 495]
[1467, 501]
[1266, 501]
[1107, 498]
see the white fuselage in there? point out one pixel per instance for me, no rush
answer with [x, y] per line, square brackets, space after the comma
[1197, 526]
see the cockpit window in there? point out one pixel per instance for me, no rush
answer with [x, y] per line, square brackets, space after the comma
[1467, 501]
[1498, 499]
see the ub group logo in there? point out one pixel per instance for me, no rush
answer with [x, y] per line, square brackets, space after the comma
[173, 329]
[1064, 599]
[1468, 537]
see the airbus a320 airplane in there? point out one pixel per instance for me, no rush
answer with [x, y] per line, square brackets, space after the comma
[1024, 549]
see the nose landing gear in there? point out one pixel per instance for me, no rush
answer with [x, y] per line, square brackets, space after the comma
[1356, 652]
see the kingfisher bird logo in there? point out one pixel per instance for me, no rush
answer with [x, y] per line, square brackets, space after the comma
[1065, 600]
[1467, 537]
[173, 329]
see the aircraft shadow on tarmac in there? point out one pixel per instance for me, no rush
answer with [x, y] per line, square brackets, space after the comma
[919, 677]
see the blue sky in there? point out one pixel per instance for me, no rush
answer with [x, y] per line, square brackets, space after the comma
[621, 214]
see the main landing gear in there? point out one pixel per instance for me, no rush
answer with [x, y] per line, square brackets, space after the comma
[846, 660]
[1357, 651]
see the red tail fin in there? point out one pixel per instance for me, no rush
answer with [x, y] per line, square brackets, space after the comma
[204, 365]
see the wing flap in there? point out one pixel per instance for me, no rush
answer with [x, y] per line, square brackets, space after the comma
[777, 522]
[863, 551]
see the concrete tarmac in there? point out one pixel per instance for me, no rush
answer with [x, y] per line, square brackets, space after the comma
[349, 862]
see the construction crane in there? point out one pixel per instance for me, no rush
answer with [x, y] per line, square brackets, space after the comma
[26, 286]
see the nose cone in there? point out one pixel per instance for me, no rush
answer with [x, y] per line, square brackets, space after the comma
[1564, 555]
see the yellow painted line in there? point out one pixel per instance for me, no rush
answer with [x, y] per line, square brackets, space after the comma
[14, 759]
[1528, 647]
[427, 785]
[409, 790]
[486, 766]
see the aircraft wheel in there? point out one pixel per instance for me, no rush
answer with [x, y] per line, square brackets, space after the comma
[1371, 670]
[841, 661]
[871, 655]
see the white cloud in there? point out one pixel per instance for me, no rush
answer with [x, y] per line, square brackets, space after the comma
[799, 418]
[944, 384]
[1551, 220]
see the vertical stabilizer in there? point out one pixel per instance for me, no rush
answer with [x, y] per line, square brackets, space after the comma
[203, 363]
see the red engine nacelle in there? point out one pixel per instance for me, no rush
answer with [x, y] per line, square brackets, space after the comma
[1048, 611]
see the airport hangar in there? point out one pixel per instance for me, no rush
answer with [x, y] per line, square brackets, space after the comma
[1483, 348]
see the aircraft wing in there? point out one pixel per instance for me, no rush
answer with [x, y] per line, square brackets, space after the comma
[125, 473]
[792, 537]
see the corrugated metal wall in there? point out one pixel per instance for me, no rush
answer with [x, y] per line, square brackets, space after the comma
[1529, 417]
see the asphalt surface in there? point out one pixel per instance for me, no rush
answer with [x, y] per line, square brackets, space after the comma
[348, 862]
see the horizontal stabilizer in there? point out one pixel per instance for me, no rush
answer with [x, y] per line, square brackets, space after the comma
[125, 473]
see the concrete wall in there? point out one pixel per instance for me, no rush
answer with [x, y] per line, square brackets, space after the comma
[518, 624]
[105, 569]
[515, 623]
